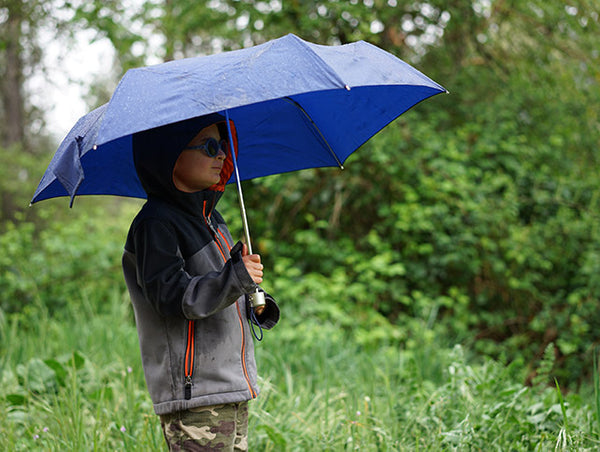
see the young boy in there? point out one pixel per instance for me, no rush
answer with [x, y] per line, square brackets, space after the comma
[187, 284]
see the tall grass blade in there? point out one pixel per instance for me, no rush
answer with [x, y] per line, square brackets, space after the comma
[563, 436]
[596, 392]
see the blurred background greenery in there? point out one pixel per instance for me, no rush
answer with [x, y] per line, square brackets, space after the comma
[474, 216]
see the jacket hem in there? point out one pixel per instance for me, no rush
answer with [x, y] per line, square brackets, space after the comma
[205, 400]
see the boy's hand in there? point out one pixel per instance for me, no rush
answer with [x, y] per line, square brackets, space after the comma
[253, 265]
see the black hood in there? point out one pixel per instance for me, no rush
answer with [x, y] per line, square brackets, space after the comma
[155, 152]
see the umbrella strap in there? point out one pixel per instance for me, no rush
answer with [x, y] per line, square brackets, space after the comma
[254, 321]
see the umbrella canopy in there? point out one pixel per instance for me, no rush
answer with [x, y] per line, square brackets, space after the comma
[295, 105]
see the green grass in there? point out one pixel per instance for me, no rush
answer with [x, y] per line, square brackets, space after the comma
[73, 382]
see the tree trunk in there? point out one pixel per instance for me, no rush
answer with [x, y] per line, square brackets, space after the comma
[12, 79]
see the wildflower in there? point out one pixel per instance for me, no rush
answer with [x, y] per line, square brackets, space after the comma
[129, 369]
[123, 429]
[45, 429]
[36, 437]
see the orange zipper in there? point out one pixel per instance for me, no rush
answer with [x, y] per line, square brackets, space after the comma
[246, 376]
[214, 232]
[189, 359]
[189, 352]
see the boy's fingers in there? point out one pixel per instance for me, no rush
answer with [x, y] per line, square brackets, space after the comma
[254, 267]
[252, 260]
[244, 249]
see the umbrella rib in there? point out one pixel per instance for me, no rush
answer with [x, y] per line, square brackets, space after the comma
[299, 107]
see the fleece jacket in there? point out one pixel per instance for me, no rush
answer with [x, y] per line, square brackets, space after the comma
[188, 292]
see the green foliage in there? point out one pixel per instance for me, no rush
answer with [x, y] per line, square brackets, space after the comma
[19, 171]
[475, 212]
[113, 20]
[73, 381]
[474, 232]
[55, 263]
[474, 215]
[68, 376]
[596, 385]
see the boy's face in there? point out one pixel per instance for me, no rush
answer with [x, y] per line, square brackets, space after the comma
[194, 169]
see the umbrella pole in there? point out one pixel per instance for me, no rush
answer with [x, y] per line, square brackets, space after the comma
[257, 298]
[239, 186]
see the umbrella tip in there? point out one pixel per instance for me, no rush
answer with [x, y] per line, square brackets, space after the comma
[347, 87]
[95, 147]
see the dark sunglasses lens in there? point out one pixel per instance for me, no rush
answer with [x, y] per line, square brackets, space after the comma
[212, 147]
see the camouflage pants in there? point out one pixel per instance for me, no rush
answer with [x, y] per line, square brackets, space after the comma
[208, 428]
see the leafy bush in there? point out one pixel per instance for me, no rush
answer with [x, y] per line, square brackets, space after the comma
[54, 262]
[485, 231]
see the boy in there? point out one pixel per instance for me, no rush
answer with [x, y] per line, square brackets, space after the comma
[187, 286]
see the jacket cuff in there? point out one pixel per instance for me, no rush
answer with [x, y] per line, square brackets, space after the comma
[270, 316]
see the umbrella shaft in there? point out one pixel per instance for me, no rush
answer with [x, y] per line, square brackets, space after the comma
[257, 298]
[239, 186]
[244, 217]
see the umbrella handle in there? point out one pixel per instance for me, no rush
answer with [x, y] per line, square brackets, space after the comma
[257, 298]
[257, 301]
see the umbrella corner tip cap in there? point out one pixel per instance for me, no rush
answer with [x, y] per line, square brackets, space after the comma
[95, 147]
[347, 87]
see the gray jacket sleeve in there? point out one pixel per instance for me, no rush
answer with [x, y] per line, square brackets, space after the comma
[171, 289]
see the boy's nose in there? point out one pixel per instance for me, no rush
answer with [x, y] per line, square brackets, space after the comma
[221, 155]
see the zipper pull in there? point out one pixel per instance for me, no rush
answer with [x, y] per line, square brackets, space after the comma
[211, 226]
[188, 387]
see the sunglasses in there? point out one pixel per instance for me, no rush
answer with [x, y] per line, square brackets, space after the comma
[211, 147]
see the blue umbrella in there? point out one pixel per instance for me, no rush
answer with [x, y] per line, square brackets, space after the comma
[295, 105]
